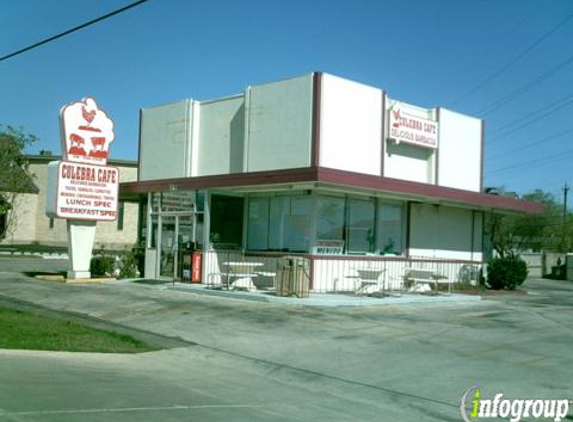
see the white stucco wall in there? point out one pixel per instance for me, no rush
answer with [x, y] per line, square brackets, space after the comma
[406, 161]
[270, 127]
[279, 125]
[350, 126]
[459, 162]
[438, 231]
[221, 136]
[165, 149]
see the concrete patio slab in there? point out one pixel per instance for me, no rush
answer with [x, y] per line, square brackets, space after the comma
[324, 299]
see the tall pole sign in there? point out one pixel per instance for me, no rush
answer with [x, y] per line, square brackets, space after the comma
[82, 188]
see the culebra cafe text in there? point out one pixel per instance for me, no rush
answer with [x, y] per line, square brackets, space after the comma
[87, 191]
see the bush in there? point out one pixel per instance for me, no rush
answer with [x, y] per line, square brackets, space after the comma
[131, 263]
[102, 265]
[506, 272]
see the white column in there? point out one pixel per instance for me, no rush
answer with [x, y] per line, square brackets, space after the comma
[81, 236]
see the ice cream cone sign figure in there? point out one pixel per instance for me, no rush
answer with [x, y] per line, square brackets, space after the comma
[87, 132]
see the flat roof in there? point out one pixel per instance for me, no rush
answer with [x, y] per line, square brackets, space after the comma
[316, 177]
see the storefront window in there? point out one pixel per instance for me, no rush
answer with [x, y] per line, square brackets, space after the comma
[200, 201]
[156, 202]
[199, 230]
[280, 223]
[360, 230]
[279, 211]
[226, 222]
[257, 235]
[154, 231]
[390, 230]
[330, 218]
[298, 224]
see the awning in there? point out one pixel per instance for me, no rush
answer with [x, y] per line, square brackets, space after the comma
[324, 177]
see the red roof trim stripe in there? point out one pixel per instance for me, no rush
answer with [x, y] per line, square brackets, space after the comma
[335, 177]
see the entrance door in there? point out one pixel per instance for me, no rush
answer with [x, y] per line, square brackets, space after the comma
[168, 247]
[177, 238]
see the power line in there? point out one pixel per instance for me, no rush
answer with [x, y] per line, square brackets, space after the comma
[531, 144]
[554, 106]
[525, 87]
[532, 121]
[69, 31]
[544, 161]
[514, 60]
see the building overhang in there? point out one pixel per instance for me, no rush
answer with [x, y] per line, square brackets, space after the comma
[320, 177]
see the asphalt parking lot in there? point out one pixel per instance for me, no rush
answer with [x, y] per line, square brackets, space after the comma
[241, 360]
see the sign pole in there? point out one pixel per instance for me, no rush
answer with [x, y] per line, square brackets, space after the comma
[81, 236]
[82, 188]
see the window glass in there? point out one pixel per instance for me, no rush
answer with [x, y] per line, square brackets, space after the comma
[330, 218]
[258, 227]
[390, 229]
[143, 214]
[279, 211]
[226, 222]
[201, 201]
[280, 223]
[298, 224]
[199, 232]
[360, 230]
[155, 201]
[154, 231]
[120, 214]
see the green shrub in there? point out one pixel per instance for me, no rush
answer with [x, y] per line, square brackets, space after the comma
[131, 263]
[102, 265]
[128, 265]
[506, 272]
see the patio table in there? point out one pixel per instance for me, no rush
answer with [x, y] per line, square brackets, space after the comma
[243, 273]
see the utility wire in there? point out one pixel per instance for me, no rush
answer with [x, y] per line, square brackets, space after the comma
[69, 31]
[544, 161]
[532, 121]
[554, 106]
[525, 87]
[532, 144]
[514, 60]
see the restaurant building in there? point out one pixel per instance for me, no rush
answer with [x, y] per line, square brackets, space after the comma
[314, 166]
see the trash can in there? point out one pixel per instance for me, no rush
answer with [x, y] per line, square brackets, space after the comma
[293, 277]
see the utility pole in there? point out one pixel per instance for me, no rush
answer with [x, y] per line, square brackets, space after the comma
[565, 191]
[563, 231]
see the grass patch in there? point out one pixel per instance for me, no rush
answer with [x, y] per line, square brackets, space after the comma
[32, 331]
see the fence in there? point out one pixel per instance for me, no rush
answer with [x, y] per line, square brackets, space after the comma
[298, 274]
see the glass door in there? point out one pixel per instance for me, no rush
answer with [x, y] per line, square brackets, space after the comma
[176, 244]
[168, 247]
[186, 245]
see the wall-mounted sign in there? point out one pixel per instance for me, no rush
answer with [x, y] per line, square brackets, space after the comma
[405, 127]
[82, 191]
[328, 247]
[87, 132]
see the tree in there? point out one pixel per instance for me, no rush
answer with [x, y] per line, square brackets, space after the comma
[512, 234]
[15, 178]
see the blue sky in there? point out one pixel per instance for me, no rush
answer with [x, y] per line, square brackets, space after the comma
[429, 53]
